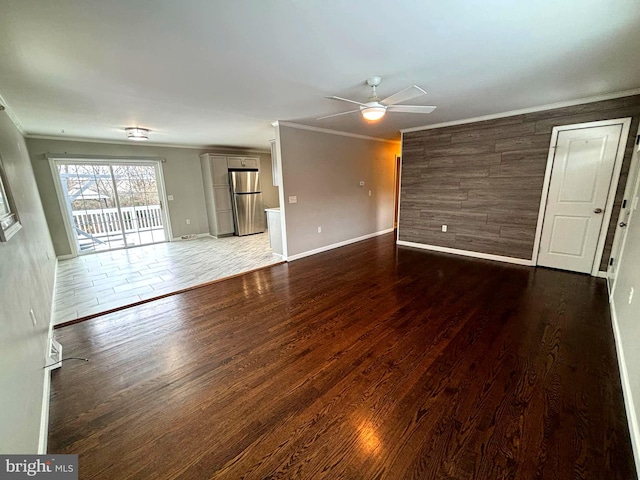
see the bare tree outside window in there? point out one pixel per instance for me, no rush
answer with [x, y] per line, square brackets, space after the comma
[113, 205]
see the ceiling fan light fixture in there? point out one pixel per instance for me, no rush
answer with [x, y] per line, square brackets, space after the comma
[375, 109]
[137, 134]
[373, 113]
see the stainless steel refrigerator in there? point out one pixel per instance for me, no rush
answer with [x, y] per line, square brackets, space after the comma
[246, 197]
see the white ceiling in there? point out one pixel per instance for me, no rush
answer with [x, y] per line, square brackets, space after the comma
[218, 72]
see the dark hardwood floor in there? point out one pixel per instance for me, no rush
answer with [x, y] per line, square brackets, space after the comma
[365, 362]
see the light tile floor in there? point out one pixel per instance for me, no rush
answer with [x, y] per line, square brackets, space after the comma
[95, 283]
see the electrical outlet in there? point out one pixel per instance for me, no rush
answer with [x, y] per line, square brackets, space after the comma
[55, 354]
[319, 229]
[170, 198]
[293, 199]
[444, 228]
[631, 295]
[188, 221]
[369, 192]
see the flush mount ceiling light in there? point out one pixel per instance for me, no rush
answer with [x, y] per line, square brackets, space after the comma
[137, 134]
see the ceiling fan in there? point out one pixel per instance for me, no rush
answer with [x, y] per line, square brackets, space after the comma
[375, 108]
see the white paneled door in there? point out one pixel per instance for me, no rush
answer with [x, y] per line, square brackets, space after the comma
[581, 177]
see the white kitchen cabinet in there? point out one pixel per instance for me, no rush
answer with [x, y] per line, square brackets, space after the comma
[243, 162]
[222, 198]
[225, 222]
[217, 194]
[219, 170]
[274, 226]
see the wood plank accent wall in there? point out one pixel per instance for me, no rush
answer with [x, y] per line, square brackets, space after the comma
[484, 179]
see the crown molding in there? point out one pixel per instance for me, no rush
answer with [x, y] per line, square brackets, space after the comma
[207, 148]
[332, 132]
[523, 111]
[12, 116]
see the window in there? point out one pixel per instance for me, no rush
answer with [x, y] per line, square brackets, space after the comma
[9, 220]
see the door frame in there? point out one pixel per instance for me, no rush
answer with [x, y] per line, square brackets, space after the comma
[110, 160]
[620, 236]
[396, 190]
[613, 185]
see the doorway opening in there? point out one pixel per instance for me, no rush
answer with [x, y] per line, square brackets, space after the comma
[111, 204]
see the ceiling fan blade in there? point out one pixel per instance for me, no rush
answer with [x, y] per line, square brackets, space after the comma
[347, 100]
[338, 114]
[410, 108]
[404, 95]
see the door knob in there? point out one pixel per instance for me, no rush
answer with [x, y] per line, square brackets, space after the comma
[597, 210]
[622, 224]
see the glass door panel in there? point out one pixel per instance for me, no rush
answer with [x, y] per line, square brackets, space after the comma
[137, 189]
[113, 205]
[90, 197]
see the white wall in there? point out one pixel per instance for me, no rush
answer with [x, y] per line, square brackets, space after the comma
[627, 322]
[323, 171]
[270, 194]
[27, 271]
[182, 175]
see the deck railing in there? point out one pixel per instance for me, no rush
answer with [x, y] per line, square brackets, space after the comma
[105, 221]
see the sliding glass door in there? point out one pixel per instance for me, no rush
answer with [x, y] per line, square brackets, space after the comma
[112, 204]
[139, 201]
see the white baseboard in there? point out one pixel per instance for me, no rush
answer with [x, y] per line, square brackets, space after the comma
[198, 235]
[44, 418]
[601, 274]
[46, 389]
[632, 420]
[297, 256]
[467, 253]
[66, 257]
